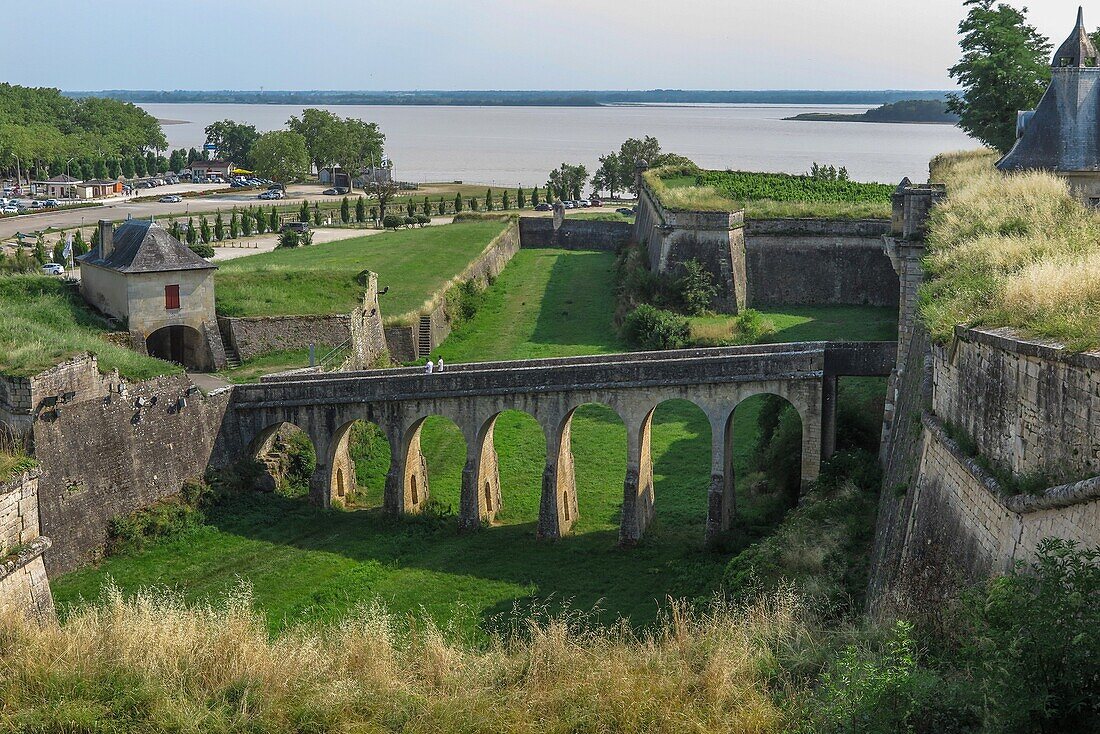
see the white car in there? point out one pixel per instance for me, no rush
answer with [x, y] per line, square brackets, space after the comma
[53, 269]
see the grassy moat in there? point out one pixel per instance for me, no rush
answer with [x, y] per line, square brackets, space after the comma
[306, 565]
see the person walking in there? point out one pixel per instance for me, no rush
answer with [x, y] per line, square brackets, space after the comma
[428, 367]
[439, 367]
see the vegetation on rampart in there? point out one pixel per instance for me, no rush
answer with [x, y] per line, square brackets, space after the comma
[45, 320]
[1011, 250]
[769, 195]
[323, 279]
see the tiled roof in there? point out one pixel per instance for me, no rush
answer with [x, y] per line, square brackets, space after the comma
[142, 246]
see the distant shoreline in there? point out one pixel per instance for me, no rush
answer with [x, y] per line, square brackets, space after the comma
[172, 122]
[827, 117]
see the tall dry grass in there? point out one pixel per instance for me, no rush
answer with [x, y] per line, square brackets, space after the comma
[151, 663]
[1012, 250]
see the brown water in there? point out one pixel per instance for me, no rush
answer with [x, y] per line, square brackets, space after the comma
[520, 145]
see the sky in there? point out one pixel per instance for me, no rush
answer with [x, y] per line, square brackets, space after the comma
[493, 44]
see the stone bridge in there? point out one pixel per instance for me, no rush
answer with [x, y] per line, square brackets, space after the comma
[325, 405]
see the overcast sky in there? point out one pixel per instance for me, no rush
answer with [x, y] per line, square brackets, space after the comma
[492, 44]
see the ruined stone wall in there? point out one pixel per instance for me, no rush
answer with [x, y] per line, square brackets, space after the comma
[105, 457]
[24, 585]
[574, 234]
[404, 342]
[818, 261]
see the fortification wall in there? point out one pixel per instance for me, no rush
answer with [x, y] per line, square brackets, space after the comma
[1030, 407]
[1021, 407]
[408, 343]
[24, 586]
[251, 336]
[818, 261]
[715, 239]
[72, 381]
[102, 458]
[574, 234]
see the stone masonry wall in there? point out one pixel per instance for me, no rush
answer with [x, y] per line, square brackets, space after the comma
[816, 261]
[23, 582]
[74, 380]
[1029, 407]
[574, 234]
[109, 456]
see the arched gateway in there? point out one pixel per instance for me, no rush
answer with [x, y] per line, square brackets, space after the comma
[550, 390]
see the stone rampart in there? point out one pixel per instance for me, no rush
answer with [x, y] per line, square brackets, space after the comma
[71, 381]
[715, 239]
[574, 234]
[102, 458]
[1028, 406]
[428, 328]
[24, 585]
[818, 261]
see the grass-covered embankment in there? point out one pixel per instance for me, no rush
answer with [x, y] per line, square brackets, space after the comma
[323, 279]
[44, 320]
[768, 195]
[1011, 250]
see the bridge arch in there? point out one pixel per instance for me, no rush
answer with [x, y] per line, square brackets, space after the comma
[483, 488]
[358, 440]
[180, 344]
[682, 463]
[770, 433]
[289, 457]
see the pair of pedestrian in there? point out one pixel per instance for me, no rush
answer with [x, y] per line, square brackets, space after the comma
[430, 367]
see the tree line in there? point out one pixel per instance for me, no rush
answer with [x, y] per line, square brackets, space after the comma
[616, 171]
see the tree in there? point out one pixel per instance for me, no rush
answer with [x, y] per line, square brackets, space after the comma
[441, 207]
[316, 215]
[246, 222]
[360, 210]
[426, 207]
[521, 199]
[289, 238]
[139, 165]
[203, 250]
[410, 209]
[204, 231]
[374, 214]
[303, 213]
[219, 226]
[234, 226]
[127, 167]
[488, 200]
[473, 203]
[345, 211]
[506, 201]
[273, 219]
[233, 141]
[281, 156]
[1004, 68]
[151, 163]
[261, 222]
[384, 191]
[348, 142]
[568, 180]
[193, 155]
[458, 202]
[608, 176]
[59, 252]
[174, 229]
[534, 196]
[178, 160]
[113, 169]
[192, 235]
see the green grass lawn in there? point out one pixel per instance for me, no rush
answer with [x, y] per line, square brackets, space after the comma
[44, 320]
[322, 279]
[306, 565]
[810, 323]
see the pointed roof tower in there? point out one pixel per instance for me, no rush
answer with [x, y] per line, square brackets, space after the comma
[1078, 50]
[1062, 134]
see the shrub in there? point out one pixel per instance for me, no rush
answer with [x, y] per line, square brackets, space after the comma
[423, 219]
[653, 328]
[410, 220]
[165, 518]
[289, 238]
[695, 289]
[751, 326]
[391, 221]
[202, 250]
[464, 300]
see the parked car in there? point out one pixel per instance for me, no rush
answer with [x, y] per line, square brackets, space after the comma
[625, 211]
[299, 227]
[569, 204]
[171, 199]
[584, 203]
[11, 209]
[53, 269]
[595, 201]
[330, 192]
[36, 204]
[543, 207]
[51, 202]
[271, 194]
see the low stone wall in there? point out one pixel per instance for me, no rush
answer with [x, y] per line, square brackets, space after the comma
[817, 261]
[574, 234]
[715, 239]
[24, 585]
[107, 457]
[408, 343]
[1029, 406]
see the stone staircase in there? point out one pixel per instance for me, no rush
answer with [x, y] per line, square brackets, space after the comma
[232, 357]
[424, 336]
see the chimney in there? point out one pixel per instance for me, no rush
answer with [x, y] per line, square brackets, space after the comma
[106, 238]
